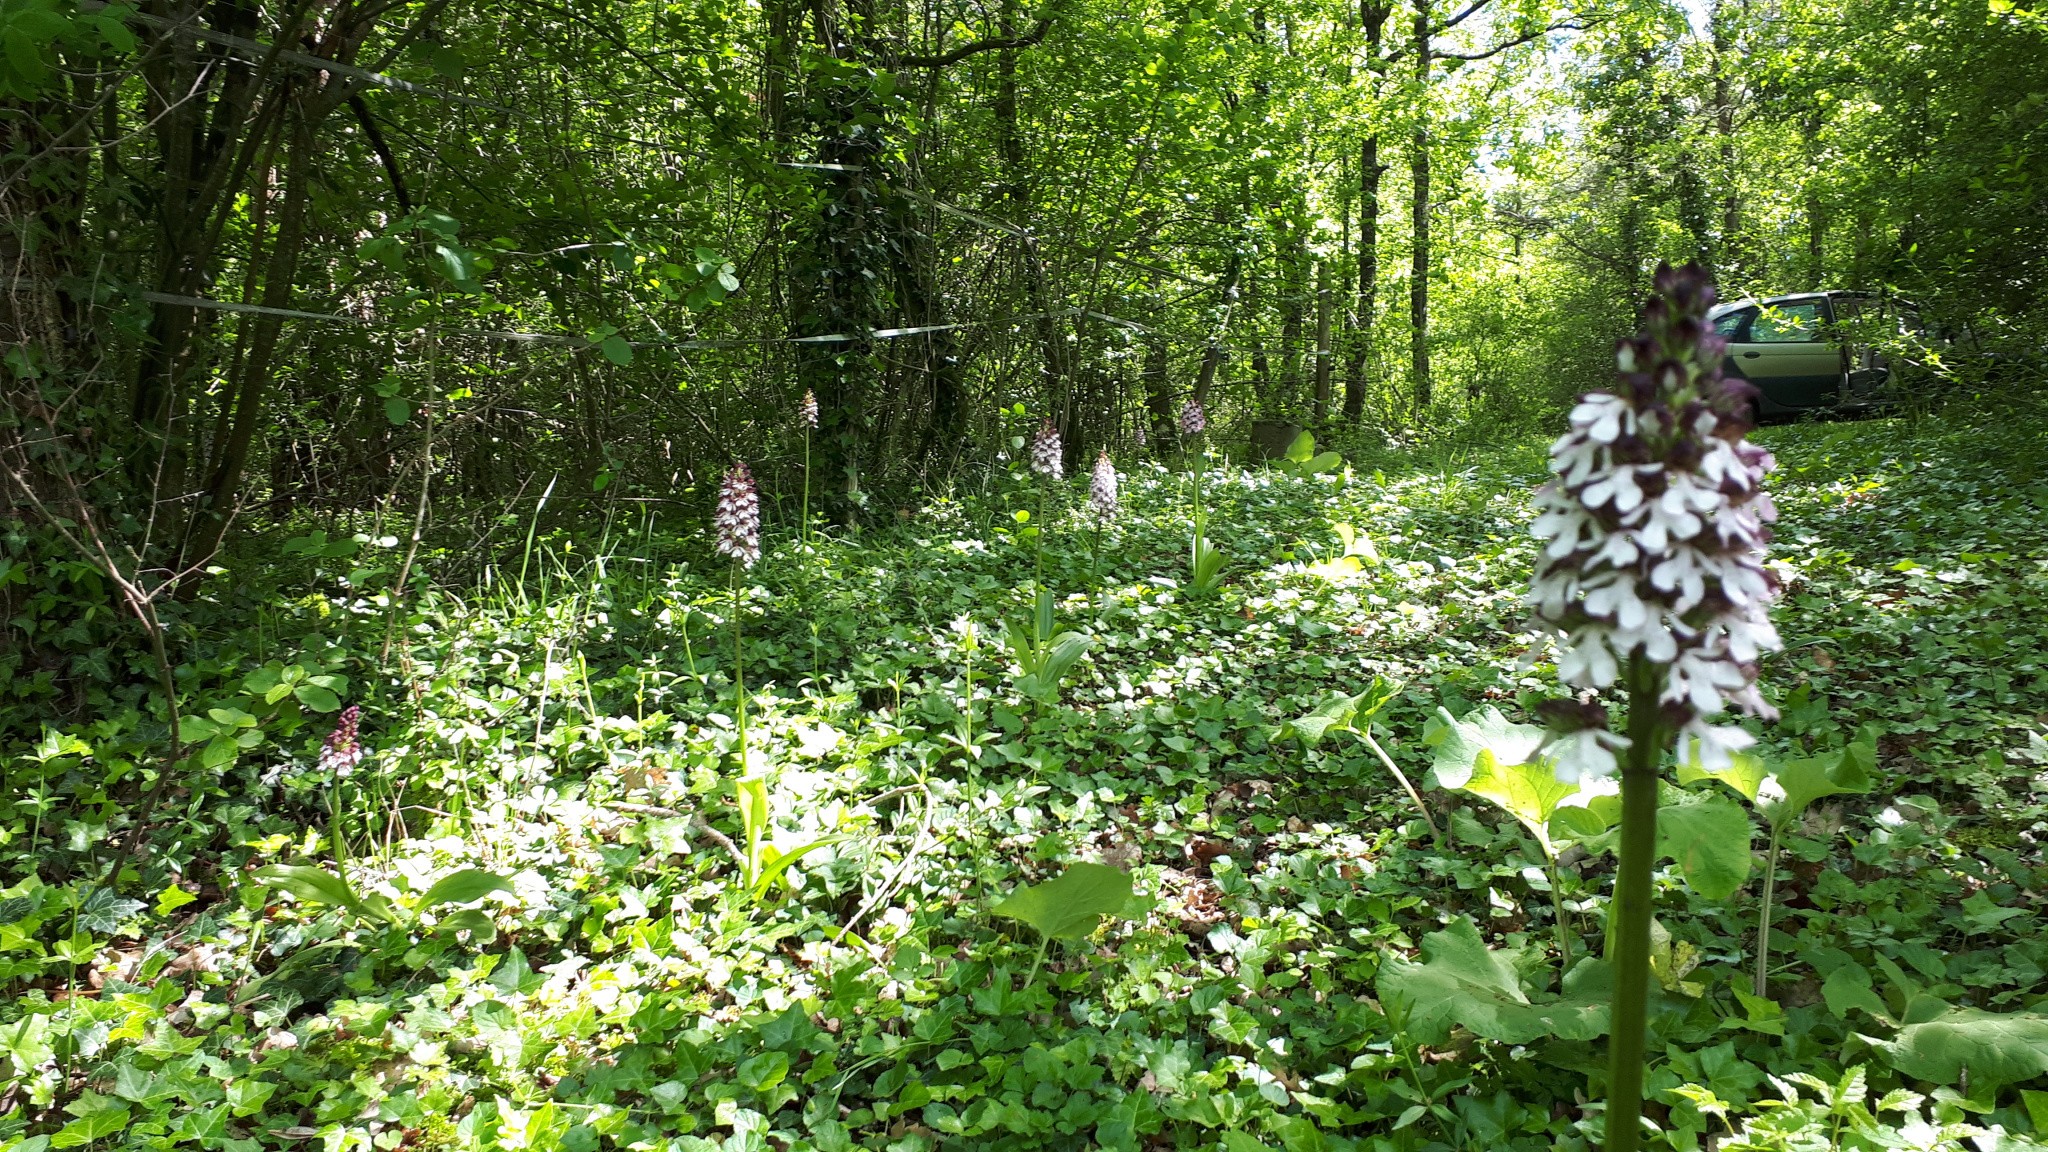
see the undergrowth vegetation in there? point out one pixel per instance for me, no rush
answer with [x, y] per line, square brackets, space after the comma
[1161, 886]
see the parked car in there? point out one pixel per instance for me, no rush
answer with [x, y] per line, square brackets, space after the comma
[1815, 351]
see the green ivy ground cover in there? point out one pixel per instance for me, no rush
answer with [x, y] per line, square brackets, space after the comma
[523, 921]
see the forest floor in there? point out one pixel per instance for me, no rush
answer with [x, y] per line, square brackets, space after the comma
[629, 950]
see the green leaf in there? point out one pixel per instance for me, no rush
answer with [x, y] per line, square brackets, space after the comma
[1743, 774]
[764, 1071]
[247, 1097]
[1459, 743]
[474, 921]
[1796, 784]
[463, 887]
[1997, 1048]
[171, 899]
[397, 410]
[1462, 982]
[1303, 448]
[91, 1126]
[449, 62]
[1849, 987]
[1072, 906]
[317, 698]
[1341, 713]
[1710, 841]
[319, 886]
[1530, 791]
[1585, 821]
[616, 350]
[775, 862]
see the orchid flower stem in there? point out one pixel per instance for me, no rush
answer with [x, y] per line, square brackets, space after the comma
[1630, 914]
[1421, 809]
[739, 676]
[1564, 935]
[1763, 920]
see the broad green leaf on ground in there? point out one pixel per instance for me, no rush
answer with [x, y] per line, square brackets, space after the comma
[1995, 1047]
[1800, 782]
[1710, 842]
[1744, 773]
[1071, 906]
[1340, 713]
[1529, 791]
[1462, 982]
[1458, 743]
[1849, 986]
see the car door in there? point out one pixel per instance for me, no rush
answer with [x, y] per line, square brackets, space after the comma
[1784, 350]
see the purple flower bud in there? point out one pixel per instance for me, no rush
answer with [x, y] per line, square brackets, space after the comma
[1655, 527]
[1045, 452]
[1102, 489]
[341, 751]
[1192, 418]
[739, 516]
[808, 410]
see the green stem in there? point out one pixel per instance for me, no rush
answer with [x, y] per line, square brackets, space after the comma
[1037, 960]
[804, 532]
[1629, 917]
[1564, 945]
[739, 676]
[1421, 809]
[1763, 920]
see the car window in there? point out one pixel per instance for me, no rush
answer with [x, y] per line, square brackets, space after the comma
[1787, 324]
[1732, 323]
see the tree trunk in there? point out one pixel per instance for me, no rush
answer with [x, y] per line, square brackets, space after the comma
[209, 521]
[1373, 16]
[1724, 128]
[1322, 344]
[1418, 273]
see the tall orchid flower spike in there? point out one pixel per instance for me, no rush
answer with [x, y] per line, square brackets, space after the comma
[1652, 574]
[1102, 489]
[738, 519]
[1046, 453]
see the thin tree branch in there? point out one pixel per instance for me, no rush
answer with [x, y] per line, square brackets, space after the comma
[977, 47]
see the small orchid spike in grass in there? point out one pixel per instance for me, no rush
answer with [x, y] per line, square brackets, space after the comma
[807, 411]
[1046, 453]
[1102, 489]
[342, 751]
[1192, 419]
[1652, 574]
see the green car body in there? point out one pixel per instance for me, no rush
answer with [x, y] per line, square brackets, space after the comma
[1813, 351]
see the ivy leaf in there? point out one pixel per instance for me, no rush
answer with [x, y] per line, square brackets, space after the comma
[104, 910]
[1071, 906]
[90, 1127]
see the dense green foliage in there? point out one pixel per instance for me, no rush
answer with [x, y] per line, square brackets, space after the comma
[1297, 964]
[388, 760]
